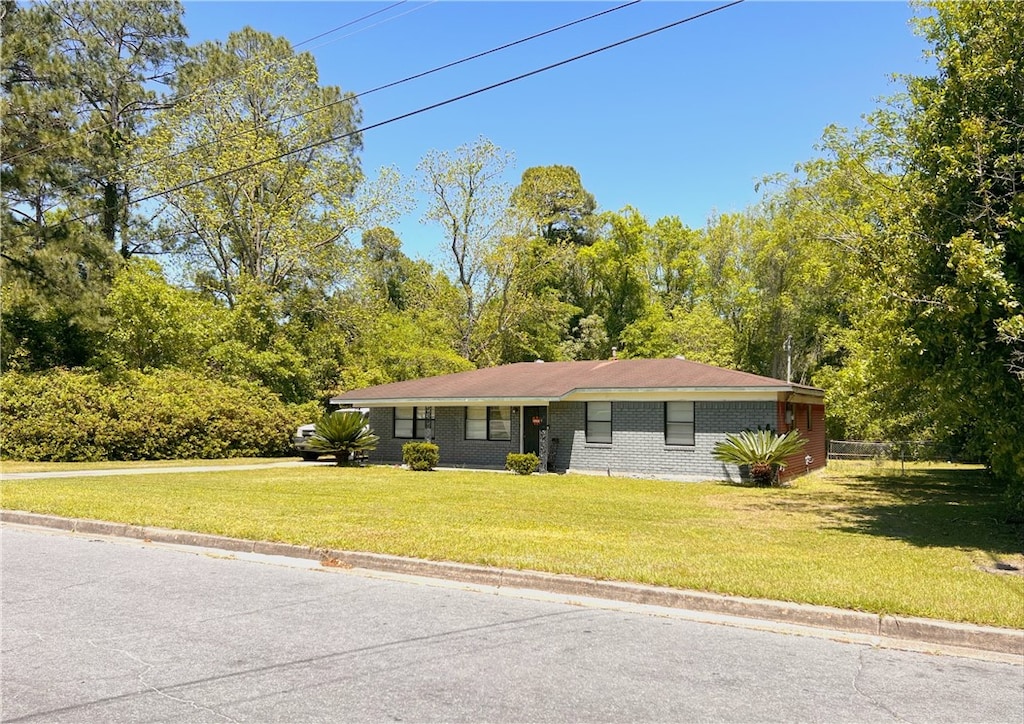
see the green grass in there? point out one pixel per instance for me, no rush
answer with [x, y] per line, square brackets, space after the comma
[856, 536]
[17, 466]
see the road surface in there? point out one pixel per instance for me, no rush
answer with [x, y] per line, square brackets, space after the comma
[109, 630]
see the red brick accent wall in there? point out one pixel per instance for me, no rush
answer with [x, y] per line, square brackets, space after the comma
[815, 434]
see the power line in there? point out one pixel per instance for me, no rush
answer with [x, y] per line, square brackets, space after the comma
[424, 109]
[392, 84]
[350, 23]
[363, 29]
[221, 138]
[435, 106]
[213, 85]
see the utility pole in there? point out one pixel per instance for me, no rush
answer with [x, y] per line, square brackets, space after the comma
[788, 347]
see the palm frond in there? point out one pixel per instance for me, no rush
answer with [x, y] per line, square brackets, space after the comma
[763, 450]
[343, 432]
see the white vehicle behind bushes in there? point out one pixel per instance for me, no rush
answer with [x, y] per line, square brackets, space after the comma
[301, 438]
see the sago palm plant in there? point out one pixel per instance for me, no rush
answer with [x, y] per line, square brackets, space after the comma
[343, 432]
[763, 450]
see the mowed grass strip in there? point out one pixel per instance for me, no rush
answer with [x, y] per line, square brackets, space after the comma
[17, 466]
[856, 537]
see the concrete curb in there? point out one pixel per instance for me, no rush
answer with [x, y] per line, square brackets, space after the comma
[930, 631]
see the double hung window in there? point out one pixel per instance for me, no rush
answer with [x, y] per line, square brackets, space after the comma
[599, 422]
[679, 423]
[412, 422]
[488, 423]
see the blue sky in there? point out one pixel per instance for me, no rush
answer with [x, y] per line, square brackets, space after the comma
[680, 123]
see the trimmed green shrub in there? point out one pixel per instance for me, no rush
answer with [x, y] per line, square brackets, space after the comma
[522, 463]
[421, 455]
[65, 416]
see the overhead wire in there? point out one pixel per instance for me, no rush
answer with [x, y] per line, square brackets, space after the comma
[439, 104]
[363, 29]
[350, 98]
[392, 84]
[424, 109]
[215, 84]
[350, 23]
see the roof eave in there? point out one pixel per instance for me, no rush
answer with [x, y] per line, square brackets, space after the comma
[762, 392]
[440, 401]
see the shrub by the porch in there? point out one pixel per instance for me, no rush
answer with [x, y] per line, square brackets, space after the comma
[421, 455]
[522, 463]
[764, 451]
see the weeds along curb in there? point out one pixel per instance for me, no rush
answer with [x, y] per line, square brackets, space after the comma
[930, 631]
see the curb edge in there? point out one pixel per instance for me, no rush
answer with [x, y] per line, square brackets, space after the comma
[907, 628]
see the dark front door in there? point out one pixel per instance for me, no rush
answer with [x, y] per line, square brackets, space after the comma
[535, 419]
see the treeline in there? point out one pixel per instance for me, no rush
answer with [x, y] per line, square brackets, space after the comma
[216, 228]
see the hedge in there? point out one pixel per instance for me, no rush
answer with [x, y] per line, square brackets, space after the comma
[67, 416]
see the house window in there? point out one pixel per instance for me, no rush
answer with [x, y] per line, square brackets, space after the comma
[499, 423]
[488, 423]
[412, 422]
[679, 423]
[809, 418]
[476, 423]
[599, 422]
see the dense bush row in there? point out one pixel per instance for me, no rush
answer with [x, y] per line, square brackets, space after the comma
[87, 416]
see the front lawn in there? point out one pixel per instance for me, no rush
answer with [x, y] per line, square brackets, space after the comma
[17, 466]
[856, 536]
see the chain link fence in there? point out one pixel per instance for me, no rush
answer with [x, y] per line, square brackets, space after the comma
[906, 450]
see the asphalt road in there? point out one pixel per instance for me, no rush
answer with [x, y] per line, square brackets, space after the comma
[105, 630]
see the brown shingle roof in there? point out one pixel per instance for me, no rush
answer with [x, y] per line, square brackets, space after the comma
[556, 380]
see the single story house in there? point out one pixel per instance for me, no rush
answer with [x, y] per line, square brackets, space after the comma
[635, 417]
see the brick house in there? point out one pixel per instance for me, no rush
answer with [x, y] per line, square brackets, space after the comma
[635, 417]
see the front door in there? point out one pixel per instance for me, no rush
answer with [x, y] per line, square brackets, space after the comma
[535, 419]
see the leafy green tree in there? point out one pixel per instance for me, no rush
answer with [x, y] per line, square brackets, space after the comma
[155, 324]
[674, 262]
[488, 256]
[39, 122]
[253, 345]
[80, 81]
[280, 223]
[615, 265]
[851, 199]
[555, 202]
[698, 334]
[387, 267]
[345, 434]
[941, 249]
[78, 86]
[468, 200]
[53, 287]
[589, 340]
[356, 336]
[966, 159]
[116, 52]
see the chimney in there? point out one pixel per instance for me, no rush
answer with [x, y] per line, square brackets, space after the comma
[615, 352]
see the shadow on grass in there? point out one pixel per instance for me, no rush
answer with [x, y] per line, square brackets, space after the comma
[946, 507]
